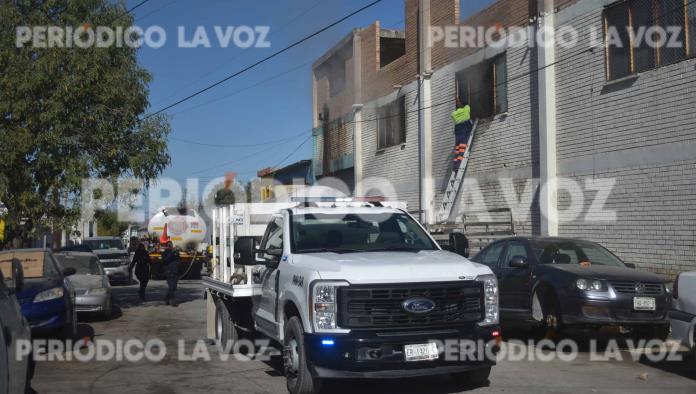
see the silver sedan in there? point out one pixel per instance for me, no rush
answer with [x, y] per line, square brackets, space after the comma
[91, 283]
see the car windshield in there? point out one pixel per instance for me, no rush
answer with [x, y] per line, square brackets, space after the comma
[100, 244]
[314, 233]
[35, 264]
[84, 265]
[574, 252]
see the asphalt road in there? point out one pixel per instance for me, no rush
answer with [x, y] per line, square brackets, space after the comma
[186, 322]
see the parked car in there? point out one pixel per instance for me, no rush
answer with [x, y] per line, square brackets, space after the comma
[92, 288]
[15, 373]
[562, 283]
[683, 314]
[113, 256]
[47, 298]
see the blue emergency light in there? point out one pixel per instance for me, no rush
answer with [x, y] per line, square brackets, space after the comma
[327, 342]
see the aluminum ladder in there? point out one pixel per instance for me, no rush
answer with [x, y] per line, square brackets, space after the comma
[454, 184]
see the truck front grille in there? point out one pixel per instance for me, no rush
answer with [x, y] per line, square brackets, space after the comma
[381, 306]
[641, 288]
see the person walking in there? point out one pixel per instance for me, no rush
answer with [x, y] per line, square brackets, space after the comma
[170, 260]
[141, 262]
[462, 131]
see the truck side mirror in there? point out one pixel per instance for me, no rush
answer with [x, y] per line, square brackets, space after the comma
[245, 251]
[518, 262]
[16, 283]
[459, 244]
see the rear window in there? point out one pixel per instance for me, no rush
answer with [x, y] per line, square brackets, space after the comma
[84, 265]
[36, 264]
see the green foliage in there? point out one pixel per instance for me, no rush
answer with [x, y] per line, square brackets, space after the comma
[68, 114]
[108, 224]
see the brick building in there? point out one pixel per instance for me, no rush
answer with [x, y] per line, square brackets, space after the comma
[601, 139]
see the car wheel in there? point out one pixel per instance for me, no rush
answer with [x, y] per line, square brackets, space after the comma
[70, 328]
[108, 309]
[474, 378]
[225, 331]
[299, 379]
[547, 311]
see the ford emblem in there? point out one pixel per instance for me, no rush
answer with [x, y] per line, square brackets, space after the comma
[418, 305]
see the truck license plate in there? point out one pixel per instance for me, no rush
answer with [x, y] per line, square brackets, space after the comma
[644, 303]
[421, 352]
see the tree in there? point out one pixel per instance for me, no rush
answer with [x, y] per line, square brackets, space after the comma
[108, 223]
[67, 114]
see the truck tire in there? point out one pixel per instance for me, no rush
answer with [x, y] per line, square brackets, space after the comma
[473, 378]
[225, 331]
[299, 379]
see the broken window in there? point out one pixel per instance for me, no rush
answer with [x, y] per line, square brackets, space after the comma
[390, 49]
[641, 35]
[391, 123]
[484, 87]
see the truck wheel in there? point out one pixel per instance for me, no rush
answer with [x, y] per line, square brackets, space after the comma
[299, 379]
[225, 331]
[474, 378]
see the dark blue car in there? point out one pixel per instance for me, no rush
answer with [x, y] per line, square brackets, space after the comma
[47, 298]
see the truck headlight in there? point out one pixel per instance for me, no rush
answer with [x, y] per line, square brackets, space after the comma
[323, 306]
[50, 294]
[490, 299]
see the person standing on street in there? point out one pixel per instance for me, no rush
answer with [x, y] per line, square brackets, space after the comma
[141, 263]
[170, 260]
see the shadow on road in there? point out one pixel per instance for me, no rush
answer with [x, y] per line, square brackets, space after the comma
[127, 296]
[685, 368]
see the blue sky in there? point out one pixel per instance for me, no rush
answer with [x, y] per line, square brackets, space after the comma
[249, 109]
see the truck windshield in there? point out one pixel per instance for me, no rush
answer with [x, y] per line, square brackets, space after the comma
[316, 233]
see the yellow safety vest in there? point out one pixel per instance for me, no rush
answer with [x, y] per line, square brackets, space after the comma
[461, 115]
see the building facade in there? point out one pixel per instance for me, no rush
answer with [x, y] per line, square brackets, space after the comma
[577, 137]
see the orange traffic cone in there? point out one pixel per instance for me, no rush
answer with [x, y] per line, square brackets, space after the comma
[164, 238]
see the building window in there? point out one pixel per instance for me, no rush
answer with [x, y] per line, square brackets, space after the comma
[391, 123]
[484, 87]
[641, 35]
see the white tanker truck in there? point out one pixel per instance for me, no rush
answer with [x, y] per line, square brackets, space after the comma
[187, 230]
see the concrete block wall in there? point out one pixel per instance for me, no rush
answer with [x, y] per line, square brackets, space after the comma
[639, 133]
[397, 164]
[503, 147]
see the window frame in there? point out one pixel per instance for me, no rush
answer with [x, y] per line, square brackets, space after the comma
[688, 48]
[277, 221]
[495, 90]
[394, 111]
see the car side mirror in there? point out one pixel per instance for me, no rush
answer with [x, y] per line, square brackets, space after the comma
[70, 271]
[518, 262]
[245, 251]
[459, 244]
[630, 265]
[16, 283]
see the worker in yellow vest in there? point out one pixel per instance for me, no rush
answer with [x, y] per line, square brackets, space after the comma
[462, 131]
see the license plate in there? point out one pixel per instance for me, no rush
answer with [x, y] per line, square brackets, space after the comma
[644, 303]
[421, 352]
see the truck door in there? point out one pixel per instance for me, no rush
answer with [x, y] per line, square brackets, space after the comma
[266, 303]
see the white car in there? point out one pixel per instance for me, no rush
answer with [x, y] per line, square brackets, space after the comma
[683, 313]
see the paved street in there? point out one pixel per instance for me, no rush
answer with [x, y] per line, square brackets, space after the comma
[155, 320]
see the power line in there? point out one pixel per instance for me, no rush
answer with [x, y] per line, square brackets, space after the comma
[221, 65]
[293, 152]
[267, 58]
[237, 145]
[128, 11]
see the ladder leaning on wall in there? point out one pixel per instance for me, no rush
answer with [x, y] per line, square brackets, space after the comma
[455, 182]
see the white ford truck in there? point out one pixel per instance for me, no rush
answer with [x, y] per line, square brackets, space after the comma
[350, 289]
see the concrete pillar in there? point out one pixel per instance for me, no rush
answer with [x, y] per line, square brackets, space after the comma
[548, 196]
[427, 191]
[357, 116]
